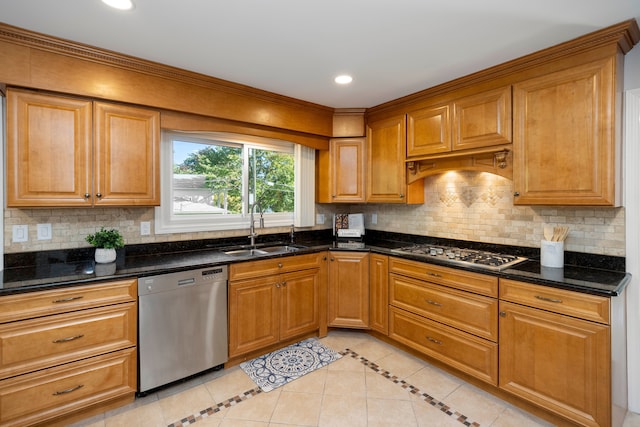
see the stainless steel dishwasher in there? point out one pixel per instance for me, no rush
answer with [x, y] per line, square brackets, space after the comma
[182, 325]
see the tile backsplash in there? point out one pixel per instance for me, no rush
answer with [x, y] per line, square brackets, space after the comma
[471, 206]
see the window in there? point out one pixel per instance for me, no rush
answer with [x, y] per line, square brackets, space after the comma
[211, 180]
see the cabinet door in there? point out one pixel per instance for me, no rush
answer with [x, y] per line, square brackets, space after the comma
[48, 150]
[379, 293]
[564, 149]
[348, 304]
[482, 120]
[299, 293]
[340, 174]
[127, 155]
[556, 361]
[428, 131]
[253, 314]
[386, 171]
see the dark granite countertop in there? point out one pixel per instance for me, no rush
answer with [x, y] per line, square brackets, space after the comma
[26, 272]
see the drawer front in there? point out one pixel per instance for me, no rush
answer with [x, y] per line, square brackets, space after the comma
[42, 303]
[576, 304]
[260, 268]
[472, 313]
[468, 353]
[48, 341]
[460, 279]
[40, 396]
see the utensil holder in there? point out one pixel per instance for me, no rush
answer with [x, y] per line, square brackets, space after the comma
[552, 254]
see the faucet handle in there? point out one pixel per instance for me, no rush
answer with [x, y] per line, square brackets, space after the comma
[293, 235]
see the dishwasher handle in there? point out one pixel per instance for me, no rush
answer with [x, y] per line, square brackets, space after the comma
[185, 282]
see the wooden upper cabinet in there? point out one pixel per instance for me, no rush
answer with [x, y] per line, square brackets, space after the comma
[341, 171]
[565, 150]
[429, 131]
[127, 155]
[386, 171]
[48, 149]
[64, 151]
[475, 121]
[482, 120]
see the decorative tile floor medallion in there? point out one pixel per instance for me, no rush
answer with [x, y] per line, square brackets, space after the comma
[285, 365]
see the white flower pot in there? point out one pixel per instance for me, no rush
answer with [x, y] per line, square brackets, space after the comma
[104, 256]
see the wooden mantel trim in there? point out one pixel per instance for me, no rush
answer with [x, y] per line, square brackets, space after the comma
[37, 61]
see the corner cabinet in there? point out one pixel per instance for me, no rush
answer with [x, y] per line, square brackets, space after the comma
[565, 147]
[341, 171]
[64, 151]
[386, 171]
[348, 296]
[273, 300]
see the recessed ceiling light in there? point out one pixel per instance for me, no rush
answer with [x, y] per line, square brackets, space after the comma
[343, 79]
[119, 4]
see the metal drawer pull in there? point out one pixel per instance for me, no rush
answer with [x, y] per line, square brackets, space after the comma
[435, 341]
[69, 390]
[55, 301]
[433, 274]
[68, 339]
[548, 299]
[437, 304]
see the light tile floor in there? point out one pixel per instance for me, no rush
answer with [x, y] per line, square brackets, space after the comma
[345, 393]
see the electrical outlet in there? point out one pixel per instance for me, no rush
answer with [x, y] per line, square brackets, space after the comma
[44, 231]
[374, 218]
[20, 233]
[145, 228]
[319, 218]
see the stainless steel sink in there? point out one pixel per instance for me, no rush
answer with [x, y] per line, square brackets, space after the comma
[246, 252]
[280, 249]
[264, 250]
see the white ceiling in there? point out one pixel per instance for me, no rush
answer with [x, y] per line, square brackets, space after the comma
[296, 47]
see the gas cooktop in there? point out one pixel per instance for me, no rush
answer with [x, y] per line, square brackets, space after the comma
[465, 257]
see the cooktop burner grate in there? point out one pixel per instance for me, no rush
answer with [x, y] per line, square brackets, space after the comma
[468, 257]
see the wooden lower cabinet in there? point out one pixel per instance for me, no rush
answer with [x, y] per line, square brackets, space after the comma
[465, 352]
[559, 362]
[67, 352]
[348, 299]
[40, 396]
[268, 308]
[379, 293]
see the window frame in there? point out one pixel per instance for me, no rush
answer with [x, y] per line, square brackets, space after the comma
[166, 222]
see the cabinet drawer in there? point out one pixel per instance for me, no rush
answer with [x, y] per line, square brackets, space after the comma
[472, 313]
[460, 279]
[41, 303]
[468, 353]
[39, 396]
[576, 304]
[48, 341]
[265, 267]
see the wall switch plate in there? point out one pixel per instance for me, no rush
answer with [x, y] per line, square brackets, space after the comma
[20, 233]
[374, 218]
[319, 218]
[44, 231]
[145, 228]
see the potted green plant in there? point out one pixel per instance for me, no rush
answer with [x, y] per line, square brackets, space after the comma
[106, 243]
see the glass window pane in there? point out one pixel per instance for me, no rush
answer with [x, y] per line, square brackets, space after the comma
[207, 179]
[271, 180]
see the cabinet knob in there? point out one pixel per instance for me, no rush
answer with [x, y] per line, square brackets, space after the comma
[502, 314]
[324, 259]
[516, 194]
[277, 285]
[87, 195]
[284, 284]
[99, 195]
[332, 259]
[279, 265]
[402, 196]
